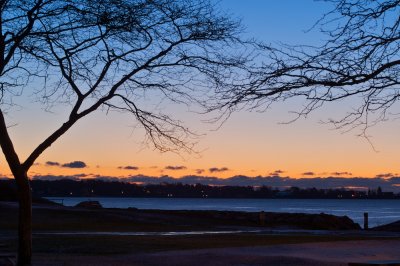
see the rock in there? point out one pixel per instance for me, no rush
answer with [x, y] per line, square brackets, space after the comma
[391, 227]
[91, 204]
[311, 221]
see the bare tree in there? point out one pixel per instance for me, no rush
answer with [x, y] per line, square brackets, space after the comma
[360, 59]
[110, 54]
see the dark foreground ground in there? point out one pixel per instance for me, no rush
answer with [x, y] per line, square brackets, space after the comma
[79, 236]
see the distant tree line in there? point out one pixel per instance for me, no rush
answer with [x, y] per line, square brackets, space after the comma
[99, 188]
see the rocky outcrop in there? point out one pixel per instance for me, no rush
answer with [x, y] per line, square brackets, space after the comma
[320, 221]
[392, 227]
[91, 204]
[274, 220]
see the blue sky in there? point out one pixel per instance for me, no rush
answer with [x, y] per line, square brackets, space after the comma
[276, 21]
[249, 143]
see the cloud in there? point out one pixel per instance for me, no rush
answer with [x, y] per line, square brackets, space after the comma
[385, 175]
[75, 164]
[175, 168]
[199, 171]
[276, 172]
[129, 167]
[83, 175]
[50, 163]
[218, 170]
[362, 183]
[108, 178]
[308, 173]
[192, 179]
[57, 177]
[341, 173]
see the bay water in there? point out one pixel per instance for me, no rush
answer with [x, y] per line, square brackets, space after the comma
[380, 211]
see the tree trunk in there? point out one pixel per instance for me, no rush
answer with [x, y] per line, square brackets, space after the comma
[24, 221]
[20, 173]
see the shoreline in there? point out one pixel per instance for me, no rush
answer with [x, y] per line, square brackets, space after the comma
[355, 209]
[100, 236]
[132, 219]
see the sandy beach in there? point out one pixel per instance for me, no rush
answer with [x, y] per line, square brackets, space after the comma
[319, 253]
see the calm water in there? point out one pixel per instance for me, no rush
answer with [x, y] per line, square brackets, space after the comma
[380, 211]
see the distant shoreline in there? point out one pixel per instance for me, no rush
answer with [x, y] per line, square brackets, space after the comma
[222, 198]
[99, 188]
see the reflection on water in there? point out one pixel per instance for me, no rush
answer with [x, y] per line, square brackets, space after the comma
[250, 231]
[178, 233]
[380, 211]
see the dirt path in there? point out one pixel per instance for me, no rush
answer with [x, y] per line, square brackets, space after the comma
[323, 254]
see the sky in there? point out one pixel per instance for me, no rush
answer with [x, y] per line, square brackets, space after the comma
[249, 143]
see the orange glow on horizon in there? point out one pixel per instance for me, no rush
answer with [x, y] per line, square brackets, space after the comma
[119, 172]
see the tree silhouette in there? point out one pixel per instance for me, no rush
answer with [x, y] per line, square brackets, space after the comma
[110, 54]
[360, 59]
